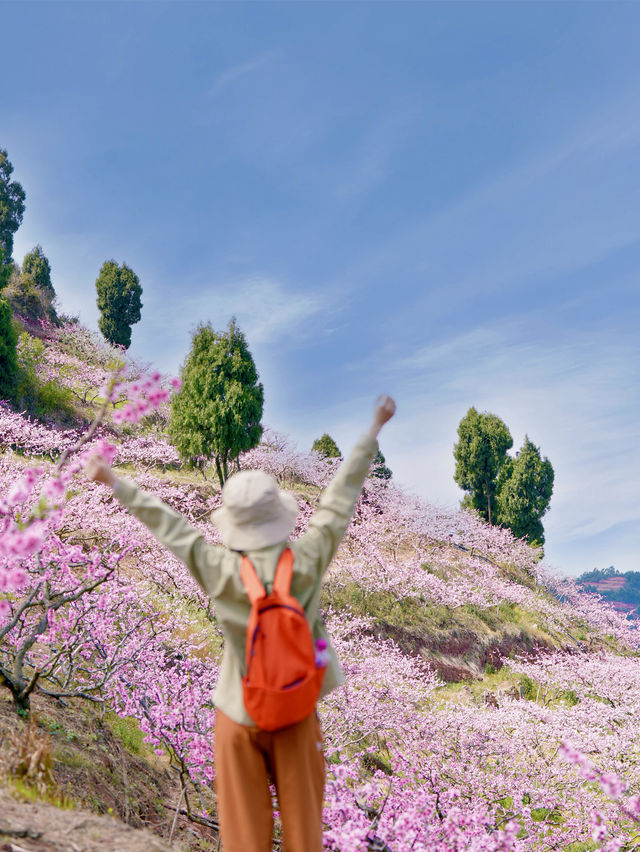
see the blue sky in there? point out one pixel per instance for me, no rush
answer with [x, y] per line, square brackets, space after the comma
[441, 201]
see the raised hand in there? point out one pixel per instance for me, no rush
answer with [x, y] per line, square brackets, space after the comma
[384, 411]
[99, 470]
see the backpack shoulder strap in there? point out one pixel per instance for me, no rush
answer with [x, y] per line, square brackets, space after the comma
[251, 581]
[284, 573]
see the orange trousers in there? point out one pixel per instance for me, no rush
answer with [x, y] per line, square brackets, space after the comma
[247, 759]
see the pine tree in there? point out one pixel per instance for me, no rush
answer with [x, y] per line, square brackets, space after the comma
[218, 410]
[37, 266]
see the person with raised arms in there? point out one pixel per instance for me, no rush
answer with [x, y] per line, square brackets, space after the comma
[277, 659]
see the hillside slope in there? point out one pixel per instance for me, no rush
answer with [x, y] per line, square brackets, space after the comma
[468, 664]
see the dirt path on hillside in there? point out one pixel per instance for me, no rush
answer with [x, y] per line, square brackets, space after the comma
[38, 827]
[112, 797]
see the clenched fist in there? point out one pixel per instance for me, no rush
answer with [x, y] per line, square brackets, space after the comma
[384, 411]
[99, 470]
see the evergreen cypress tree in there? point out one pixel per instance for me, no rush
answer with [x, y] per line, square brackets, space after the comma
[218, 410]
[11, 212]
[512, 492]
[525, 486]
[8, 352]
[119, 303]
[37, 266]
[483, 441]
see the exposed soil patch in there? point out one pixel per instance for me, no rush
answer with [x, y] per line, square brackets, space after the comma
[89, 771]
[462, 657]
[39, 827]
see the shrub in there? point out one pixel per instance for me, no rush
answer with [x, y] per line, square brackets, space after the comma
[87, 346]
[46, 400]
[27, 299]
[326, 447]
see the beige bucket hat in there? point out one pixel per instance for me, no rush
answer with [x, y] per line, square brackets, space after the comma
[254, 512]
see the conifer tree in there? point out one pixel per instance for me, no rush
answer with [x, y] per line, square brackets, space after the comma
[119, 303]
[483, 441]
[11, 212]
[512, 492]
[37, 266]
[8, 352]
[326, 447]
[525, 485]
[218, 410]
[379, 467]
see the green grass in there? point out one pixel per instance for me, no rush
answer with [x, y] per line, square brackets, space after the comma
[503, 681]
[44, 400]
[199, 626]
[126, 730]
[407, 613]
[57, 729]
[180, 476]
[73, 758]
[451, 693]
[27, 793]
[371, 761]
[417, 616]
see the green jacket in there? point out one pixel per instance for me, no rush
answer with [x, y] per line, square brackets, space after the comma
[217, 569]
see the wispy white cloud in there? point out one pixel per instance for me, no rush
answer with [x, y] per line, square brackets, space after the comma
[374, 154]
[268, 312]
[576, 398]
[572, 388]
[230, 75]
[565, 206]
[266, 309]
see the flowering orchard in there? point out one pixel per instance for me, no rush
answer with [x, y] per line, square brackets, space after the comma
[92, 608]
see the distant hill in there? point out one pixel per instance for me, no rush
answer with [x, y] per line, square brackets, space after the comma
[622, 590]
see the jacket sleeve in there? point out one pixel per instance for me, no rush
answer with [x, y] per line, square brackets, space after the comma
[201, 558]
[328, 524]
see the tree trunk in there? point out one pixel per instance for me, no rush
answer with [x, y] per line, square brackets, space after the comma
[486, 483]
[20, 692]
[219, 471]
[22, 701]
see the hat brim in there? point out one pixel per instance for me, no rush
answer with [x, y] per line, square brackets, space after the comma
[256, 534]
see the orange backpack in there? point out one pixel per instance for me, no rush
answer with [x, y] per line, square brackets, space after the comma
[282, 679]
